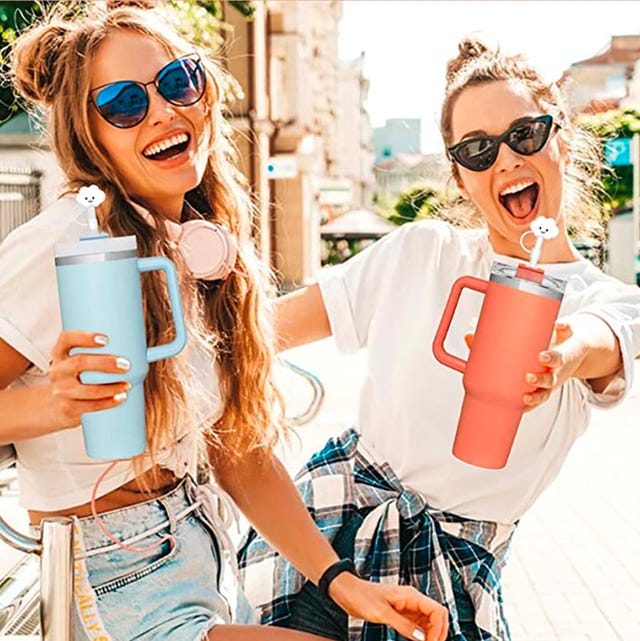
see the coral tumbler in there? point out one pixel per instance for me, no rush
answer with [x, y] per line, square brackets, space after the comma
[516, 323]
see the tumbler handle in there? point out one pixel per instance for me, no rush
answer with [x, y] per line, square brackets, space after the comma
[166, 350]
[441, 354]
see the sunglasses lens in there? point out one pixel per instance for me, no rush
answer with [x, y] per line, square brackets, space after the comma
[182, 82]
[530, 138]
[123, 104]
[477, 154]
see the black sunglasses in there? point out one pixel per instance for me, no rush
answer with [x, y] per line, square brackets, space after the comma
[525, 138]
[125, 103]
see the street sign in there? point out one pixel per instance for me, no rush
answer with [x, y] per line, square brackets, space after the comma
[282, 167]
[617, 152]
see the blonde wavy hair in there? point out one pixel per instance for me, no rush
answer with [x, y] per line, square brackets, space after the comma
[477, 64]
[229, 319]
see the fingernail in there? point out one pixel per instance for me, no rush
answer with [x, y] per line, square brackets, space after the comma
[100, 339]
[120, 397]
[127, 386]
[527, 398]
[418, 634]
[545, 357]
[530, 378]
[122, 363]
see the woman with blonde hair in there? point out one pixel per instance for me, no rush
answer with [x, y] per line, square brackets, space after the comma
[135, 110]
[394, 497]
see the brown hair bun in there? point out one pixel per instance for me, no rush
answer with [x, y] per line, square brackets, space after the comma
[468, 49]
[36, 70]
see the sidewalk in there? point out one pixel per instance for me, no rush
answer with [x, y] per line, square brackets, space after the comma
[574, 572]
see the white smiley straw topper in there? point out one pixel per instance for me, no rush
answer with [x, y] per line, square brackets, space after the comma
[543, 229]
[90, 197]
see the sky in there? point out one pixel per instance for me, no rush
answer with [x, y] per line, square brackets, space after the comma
[408, 42]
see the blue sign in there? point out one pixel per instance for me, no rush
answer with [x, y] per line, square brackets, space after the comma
[617, 152]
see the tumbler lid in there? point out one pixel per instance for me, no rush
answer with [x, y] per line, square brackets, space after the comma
[527, 278]
[97, 245]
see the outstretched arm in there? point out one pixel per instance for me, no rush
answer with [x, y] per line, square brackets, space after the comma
[264, 491]
[584, 347]
[301, 318]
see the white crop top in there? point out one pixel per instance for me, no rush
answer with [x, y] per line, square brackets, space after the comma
[54, 471]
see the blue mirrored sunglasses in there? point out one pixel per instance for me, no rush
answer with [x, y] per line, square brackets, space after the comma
[125, 103]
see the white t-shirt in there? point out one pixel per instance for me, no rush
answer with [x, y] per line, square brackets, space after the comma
[54, 471]
[390, 297]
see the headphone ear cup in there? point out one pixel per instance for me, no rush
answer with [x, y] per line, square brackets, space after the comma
[209, 250]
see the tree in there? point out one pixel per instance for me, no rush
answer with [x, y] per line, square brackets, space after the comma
[200, 20]
[420, 201]
[14, 16]
[618, 181]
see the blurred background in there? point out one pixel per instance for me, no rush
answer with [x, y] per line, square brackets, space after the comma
[335, 108]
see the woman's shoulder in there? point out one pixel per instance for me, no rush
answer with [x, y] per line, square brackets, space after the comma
[60, 221]
[442, 236]
[63, 216]
[34, 240]
[584, 275]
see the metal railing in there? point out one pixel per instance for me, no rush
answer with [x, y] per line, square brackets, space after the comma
[317, 390]
[19, 197]
[22, 603]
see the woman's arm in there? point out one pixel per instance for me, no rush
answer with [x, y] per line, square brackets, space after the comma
[24, 413]
[263, 490]
[58, 404]
[301, 318]
[602, 355]
[265, 493]
[584, 347]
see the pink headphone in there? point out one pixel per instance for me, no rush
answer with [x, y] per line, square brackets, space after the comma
[209, 250]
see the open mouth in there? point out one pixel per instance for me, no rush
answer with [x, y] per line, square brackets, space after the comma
[520, 200]
[168, 148]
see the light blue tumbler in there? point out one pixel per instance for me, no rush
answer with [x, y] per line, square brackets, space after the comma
[100, 291]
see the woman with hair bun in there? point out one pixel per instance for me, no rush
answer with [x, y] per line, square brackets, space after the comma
[136, 111]
[389, 493]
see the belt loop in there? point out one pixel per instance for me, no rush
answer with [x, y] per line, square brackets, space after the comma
[170, 513]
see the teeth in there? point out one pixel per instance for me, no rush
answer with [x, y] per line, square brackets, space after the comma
[512, 189]
[165, 144]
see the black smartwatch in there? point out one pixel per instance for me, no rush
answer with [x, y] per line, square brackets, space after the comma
[343, 565]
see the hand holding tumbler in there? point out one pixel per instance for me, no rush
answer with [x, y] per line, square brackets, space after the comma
[99, 291]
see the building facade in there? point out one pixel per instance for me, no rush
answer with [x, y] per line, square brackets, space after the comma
[609, 78]
[395, 175]
[356, 157]
[398, 136]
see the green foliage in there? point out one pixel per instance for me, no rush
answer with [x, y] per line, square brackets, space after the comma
[246, 7]
[200, 21]
[14, 16]
[618, 181]
[420, 201]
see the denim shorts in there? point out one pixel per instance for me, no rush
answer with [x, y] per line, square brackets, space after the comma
[176, 592]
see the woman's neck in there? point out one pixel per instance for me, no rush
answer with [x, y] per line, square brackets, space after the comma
[170, 209]
[556, 250]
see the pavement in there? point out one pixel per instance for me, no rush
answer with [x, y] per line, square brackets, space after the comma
[574, 572]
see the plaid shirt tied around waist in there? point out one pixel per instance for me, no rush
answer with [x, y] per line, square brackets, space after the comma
[440, 554]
